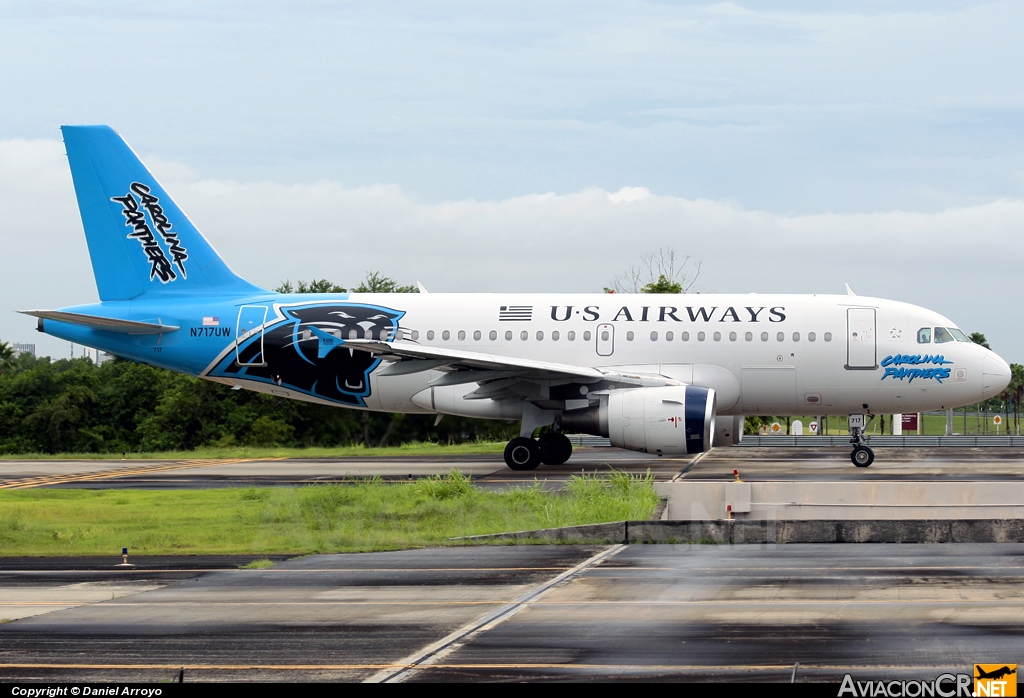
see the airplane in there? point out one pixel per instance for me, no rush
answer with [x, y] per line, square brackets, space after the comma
[662, 374]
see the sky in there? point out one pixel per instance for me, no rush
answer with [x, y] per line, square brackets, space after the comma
[788, 146]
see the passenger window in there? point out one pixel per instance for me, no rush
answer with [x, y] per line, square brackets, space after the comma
[700, 336]
[629, 336]
[781, 336]
[462, 335]
[476, 335]
[732, 336]
[685, 336]
[554, 336]
[828, 336]
[430, 334]
[446, 335]
[717, 336]
[524, 335]
[942, 335]
[796, 336]
[811, 336]
[764, 336]
[586, 336]
[540, 335]
[749, 336]
[669, 336]
[654, 336]
[571, 335]
[493, 335]
[924, 335]
[415, 335]
[508, 335]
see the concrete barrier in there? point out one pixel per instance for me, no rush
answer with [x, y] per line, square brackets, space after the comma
[785, 532]
[898, 500]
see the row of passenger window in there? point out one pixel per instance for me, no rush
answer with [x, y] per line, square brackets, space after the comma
[606, 336]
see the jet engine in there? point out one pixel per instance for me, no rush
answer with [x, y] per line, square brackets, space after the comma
[669, 420]
[729, 430]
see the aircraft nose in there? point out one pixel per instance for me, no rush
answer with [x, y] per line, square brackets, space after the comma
[995, 375]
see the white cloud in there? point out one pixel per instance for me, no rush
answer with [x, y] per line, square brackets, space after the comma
[960, 261]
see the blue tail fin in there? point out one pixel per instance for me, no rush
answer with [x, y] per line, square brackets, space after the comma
[139, 240]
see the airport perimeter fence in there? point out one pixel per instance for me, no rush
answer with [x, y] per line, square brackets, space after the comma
[584, 440]
[881, 441]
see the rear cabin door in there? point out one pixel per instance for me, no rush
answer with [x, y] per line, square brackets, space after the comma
[249, 335]
[861, 352]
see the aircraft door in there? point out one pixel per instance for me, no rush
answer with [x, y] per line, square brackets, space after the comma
[605, 340]
[250, 323]
[861, 352]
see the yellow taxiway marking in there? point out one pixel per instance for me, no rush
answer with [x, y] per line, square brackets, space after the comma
[45, 480]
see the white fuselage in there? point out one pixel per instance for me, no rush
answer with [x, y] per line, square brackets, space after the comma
[763, 354]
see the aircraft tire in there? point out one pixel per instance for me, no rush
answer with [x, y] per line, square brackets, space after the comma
[862, 456]
[555, 449]
[522, 454]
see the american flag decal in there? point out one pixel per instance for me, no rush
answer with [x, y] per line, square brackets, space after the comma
[513, 313]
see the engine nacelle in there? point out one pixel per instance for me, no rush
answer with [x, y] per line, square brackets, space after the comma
[671, 420]
[728, 430]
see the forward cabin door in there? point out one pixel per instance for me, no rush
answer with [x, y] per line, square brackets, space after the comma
[250, 324]
[861, 349]
[605, 340]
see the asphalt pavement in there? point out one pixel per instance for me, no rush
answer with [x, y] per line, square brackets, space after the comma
[699, 612]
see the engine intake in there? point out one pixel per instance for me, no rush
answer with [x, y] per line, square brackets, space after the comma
[669, 420]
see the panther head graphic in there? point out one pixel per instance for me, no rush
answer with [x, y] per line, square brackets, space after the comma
[303, 352]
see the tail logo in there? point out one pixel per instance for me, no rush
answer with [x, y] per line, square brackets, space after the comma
[160, 266]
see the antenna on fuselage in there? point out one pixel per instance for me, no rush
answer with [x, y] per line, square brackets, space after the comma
[421, 287]
[849, 291]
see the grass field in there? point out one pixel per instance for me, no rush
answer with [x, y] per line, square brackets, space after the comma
[424, 449]
[360, 516]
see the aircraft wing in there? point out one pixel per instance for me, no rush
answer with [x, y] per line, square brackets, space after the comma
[478, 367]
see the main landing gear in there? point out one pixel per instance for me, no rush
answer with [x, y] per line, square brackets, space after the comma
[524, 453]
[862, 455]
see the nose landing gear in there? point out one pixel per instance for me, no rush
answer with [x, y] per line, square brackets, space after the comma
[862, 455]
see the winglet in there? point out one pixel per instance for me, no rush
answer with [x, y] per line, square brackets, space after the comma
[849, 291]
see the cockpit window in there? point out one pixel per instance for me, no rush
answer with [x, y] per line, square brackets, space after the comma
[942, 335]
[958, 334]
[924, 335]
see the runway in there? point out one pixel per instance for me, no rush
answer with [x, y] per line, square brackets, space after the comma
[622, 612]
[756, 463]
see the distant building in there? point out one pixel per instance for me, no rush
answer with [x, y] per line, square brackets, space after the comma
[20, 349]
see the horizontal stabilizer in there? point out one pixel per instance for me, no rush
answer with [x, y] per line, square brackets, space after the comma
[102, 323]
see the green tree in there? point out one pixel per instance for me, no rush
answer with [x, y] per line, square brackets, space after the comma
[314, 286]
[662, 285]
[979, 338]
[6, 357]
[374, 282]
[658, 272]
